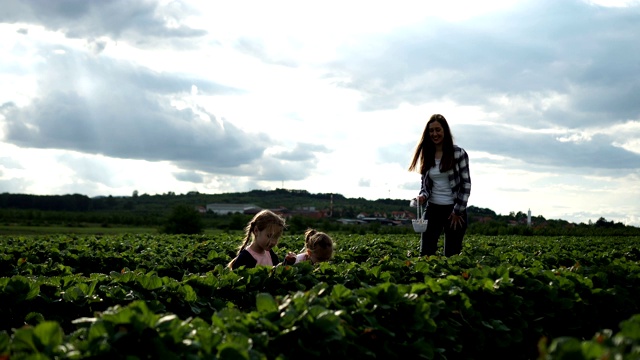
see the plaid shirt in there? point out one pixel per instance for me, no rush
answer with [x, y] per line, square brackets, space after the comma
[459, 179]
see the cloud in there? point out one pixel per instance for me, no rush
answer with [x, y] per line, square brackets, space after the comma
[532, 148]
[10, 163]
[142, 22]
[282, 164]
[412, 186]
[89, 169]
[257, 48]
[16, 185]
[189, 176]
[547, 149]
[513, 190]
[301, 152]
[398, 153]
[102, 106]
[545, 49]
[99, 105]
[156, 133]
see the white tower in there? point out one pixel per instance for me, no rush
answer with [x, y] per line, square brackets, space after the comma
[529, 218]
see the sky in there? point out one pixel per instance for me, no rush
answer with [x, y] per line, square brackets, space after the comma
[110, 97]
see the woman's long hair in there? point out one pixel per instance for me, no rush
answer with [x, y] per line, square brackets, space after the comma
[261, 221]
[424, 154]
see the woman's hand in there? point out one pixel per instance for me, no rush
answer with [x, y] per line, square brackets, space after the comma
[456, 220]
[421, 199]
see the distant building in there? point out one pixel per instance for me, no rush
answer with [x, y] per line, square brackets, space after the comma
[381, 220]
[351, 221]
[225, 209]
[402, 215]
[310, 212]
[284, 212]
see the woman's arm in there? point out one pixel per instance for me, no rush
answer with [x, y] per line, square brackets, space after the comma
[464, 183]
[424, 191]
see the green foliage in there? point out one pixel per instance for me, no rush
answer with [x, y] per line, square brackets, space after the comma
[184, 219]
[171, 296]
[625, 344]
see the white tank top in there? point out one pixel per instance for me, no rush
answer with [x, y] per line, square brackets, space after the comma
[441, 191]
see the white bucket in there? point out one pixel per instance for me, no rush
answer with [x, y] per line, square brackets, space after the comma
[419, 224]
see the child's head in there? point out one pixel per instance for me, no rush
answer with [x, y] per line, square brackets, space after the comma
[265, 228]
[319, 246]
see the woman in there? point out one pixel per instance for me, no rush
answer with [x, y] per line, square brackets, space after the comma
[446, 186]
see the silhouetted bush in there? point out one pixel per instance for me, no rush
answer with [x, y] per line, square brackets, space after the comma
[184, 219]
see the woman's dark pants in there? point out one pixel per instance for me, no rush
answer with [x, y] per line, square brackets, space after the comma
[438, 216]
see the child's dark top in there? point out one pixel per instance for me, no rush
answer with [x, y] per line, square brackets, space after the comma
[245, 258]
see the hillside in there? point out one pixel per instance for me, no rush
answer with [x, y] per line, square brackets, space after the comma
[161, 204]
[152, 210]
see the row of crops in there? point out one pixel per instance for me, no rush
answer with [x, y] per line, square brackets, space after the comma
[171, 297]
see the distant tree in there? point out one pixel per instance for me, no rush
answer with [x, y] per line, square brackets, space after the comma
[603, 223]
[135, 194]
[184, 219]
[299, 224]
[473, 210]
[238, 221]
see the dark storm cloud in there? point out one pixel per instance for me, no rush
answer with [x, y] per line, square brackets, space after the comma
[538, 151]
[548, 150]
[96, 105]
[149, 130]
[273, 169]
[189, 176]
[99, 106]
[116, 19]
[563, 65]
[295, 164]
[569, 48]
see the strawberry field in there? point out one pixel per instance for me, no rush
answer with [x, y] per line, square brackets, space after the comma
[171, 297]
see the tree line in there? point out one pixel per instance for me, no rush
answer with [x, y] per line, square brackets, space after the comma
[162, 210]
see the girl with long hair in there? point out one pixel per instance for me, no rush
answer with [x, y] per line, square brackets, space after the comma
[446, 186]
[261, 236]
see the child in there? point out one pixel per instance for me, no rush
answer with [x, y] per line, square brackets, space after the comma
[318, 246]
[265, 229]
